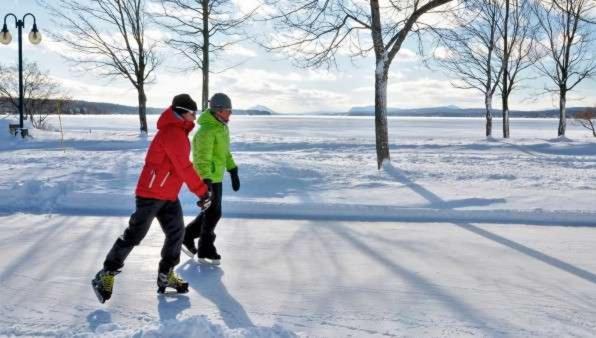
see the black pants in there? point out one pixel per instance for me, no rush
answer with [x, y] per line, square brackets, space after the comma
[204, 224]
[169, 215]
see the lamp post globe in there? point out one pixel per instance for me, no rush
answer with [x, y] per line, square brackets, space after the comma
[35, 35]
[5, 36]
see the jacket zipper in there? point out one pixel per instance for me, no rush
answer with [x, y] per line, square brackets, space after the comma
[152, 179]
[164, 179]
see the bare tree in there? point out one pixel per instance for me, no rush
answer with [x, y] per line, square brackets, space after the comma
[108, 36]
[567, 40]
[587, 119]
[517, 50]
[40, 91]
[471, 48]
[313, 32]
[197, 24]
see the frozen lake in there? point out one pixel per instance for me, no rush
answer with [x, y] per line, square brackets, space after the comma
[342, 127]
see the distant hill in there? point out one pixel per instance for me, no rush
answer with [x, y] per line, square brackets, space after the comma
[85, 107]
[101, 108]
[454, 111]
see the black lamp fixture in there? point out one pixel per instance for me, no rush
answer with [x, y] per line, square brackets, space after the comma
[34, 38]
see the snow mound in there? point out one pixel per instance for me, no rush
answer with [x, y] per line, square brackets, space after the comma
[195, 326]
[35, 195]
[5, 136]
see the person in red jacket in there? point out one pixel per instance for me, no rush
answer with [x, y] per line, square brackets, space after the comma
[167, 166]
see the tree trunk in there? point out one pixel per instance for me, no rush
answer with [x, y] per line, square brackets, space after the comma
[505, 116]
[142, 109]
[562, 117]
[382, 135]
[205, 69]
[505, 89]
[488, 103]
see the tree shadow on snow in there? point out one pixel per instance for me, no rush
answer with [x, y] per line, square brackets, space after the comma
[436, 200]
[207, 281]
[87, 145]
[467, 311]
[280, 181]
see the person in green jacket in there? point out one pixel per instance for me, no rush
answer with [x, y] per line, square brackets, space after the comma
[211, 157]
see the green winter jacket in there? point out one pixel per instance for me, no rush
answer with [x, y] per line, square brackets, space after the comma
[211, 148]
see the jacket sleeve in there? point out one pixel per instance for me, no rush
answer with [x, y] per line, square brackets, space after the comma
[230, 164]
[202, 152]
[177, 149]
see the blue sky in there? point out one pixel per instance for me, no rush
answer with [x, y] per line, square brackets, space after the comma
[272, 81]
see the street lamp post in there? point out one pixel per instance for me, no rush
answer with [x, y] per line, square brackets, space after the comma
[34, 38]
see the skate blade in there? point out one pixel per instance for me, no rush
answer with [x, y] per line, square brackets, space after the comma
[209, 261]
[169, 292]
[188, 253]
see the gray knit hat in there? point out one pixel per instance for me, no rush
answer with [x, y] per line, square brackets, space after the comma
[220, 101]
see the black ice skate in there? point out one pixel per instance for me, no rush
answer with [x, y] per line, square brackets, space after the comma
[189, 248]
[171, 280]
[212, 258]
[103, 284]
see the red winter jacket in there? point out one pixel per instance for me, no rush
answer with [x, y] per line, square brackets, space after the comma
[167, 163]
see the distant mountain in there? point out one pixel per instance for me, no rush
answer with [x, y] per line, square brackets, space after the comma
[262, 108]
[454, 111]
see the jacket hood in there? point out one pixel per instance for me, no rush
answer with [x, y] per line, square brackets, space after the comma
[170, 119]
[207, 119]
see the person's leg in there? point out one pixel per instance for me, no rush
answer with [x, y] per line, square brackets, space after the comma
[210, 219]
[138, 226]
[172, 223]
[191, 232]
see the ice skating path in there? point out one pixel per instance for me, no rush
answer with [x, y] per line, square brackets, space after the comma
[317, 278]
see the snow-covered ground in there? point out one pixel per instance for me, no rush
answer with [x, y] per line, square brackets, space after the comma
[458, 236]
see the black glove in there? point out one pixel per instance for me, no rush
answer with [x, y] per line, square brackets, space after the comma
[235, 178]
[205, 201]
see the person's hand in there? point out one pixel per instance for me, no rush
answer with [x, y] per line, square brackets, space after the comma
[235, 179]
[204, 201]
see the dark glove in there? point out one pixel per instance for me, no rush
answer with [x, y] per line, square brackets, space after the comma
[235, 178]
[205, 201]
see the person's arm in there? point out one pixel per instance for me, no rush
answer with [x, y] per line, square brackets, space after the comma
[202, 152]
[230, 163]
[177, 148]
[232, 168]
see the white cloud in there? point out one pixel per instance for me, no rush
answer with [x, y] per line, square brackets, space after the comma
[248, 6]
[442, 53]
[113, 92]
[425, 92]
[406, 55]
[238, 50]
[284, 92]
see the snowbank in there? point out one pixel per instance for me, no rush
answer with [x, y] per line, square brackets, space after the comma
[302, 168]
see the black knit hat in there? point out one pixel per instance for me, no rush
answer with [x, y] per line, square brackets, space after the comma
[221, 101]
[182, 103]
